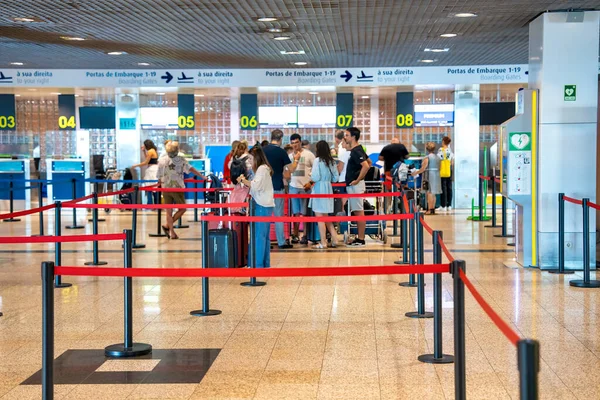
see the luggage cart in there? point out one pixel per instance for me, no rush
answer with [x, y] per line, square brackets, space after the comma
[374, 229]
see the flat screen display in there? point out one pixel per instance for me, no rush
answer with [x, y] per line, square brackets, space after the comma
[97, 118]
[278, 117]
[159, 117]
[434, 115]
[496, 113]
[316, 117]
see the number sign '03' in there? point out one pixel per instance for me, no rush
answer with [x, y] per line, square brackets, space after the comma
[66, 112]
[405, 110]
[8, 119]
[344, 110]
[248, 112]
[185, 104]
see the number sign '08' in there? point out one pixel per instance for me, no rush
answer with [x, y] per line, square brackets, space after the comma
[344, 110]
[8, 115]
[248, 112]
[66, 112]
[185, 104]
[405, 110]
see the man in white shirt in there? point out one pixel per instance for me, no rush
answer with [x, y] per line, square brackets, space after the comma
[302, 162]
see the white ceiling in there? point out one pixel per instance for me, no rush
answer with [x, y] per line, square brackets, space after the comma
[226, 34]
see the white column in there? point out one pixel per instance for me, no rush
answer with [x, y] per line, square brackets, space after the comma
[466, 145]
[128, 141]
[374, 119]
[235, 117]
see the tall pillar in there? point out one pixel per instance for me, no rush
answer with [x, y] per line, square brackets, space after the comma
[466, 145]
[563, 55]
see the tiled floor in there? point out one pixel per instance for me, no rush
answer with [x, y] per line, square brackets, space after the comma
[310, 338]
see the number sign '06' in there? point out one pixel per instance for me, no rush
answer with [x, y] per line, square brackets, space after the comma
[248, 112]
[66, 112]
[8, 115]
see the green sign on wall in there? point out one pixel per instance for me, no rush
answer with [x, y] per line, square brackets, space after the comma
[570, 92]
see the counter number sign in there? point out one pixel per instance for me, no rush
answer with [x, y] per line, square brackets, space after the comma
[405, 110]
[8, 115]
[185, 104]
[344, 110]
[66, 112]
[248, 112]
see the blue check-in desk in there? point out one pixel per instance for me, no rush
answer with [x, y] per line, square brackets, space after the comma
[61, 174]
[18, 172]
[202, 165]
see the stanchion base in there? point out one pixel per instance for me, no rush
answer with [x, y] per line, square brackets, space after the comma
[392, 235]
[157, 235]
[62, 285]
[181, 226]
[431, 359]
[556, 271]
[138, 246]
[11, 220]
[401, 262]
[119, 350]
[492, 226]
[415, 314]
[408, 284]
[504, 236]
[580, 283]
[257, 283]
[396, 245]
[93, 263]
[200, 313]
[99, 220]
[74, 227]
[511, 244]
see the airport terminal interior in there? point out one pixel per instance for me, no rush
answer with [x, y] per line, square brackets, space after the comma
[457, 139]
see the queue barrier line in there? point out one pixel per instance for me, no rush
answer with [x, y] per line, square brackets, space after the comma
[594, 205]
[79, 199]
[449, 255]
[14, 189]
[336, 195]
[251, 272]
[117, 193]
[574, 201]
[184, 190]
[62, 239]
[510, 334]
[154, 206]
[27, 212]
[91, 180]
[485, 178]
[426, 226]
[345, 218]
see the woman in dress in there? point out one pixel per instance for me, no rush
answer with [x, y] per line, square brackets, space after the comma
[324, 171]
[431, 164]
[151, 161]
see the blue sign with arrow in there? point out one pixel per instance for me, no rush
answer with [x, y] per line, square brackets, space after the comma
[347, 75]
[167, 77]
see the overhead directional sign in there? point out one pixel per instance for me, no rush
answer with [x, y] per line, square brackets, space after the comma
[249, 112]
[185, 104]
[405, 110]
[344, 110]
[8, 115]
[66, 112]
[167, 77]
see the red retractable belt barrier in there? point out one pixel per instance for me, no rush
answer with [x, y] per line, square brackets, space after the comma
[485, 178]
[252, 272]
[62, 239]
[497, 180]
[155, 206]
[445, 250]
[337, 195]
[498, 321]
[27, 212]
[80, 199]
[426, 226]
[594, 205]
[572, 200]
[238, 218]
[117, 193]
[184, 190]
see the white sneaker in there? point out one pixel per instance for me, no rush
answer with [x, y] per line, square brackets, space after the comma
[443, 209]
[449, 208]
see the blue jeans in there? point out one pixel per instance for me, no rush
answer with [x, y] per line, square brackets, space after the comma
[151, 197]
[261, 234]
[279, 212]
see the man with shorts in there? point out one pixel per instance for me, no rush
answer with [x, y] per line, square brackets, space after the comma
[170, 176]
[357, 169]
[302, 162]
[280, 164]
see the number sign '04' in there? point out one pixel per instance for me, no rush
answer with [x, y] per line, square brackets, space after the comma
[66, 112]
[248, 112]
[8, 118]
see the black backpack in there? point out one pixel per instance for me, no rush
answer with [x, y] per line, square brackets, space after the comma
[238, 167]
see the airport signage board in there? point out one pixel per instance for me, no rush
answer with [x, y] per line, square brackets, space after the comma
[344, 110]
[405, 110]
[66, 112]
[387, 76]
[185, 105]
[249, 112]
[8, 113]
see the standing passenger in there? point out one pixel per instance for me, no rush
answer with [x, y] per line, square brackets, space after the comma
[358, 166]
[151, 161]
[446, 156]
[302, 162]
[431, 164]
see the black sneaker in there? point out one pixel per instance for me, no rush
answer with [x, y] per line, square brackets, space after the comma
[357, 243]
[304, 240]
[295, 240]
[286, 246]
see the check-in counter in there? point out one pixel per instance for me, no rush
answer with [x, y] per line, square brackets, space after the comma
[18, 172]
[201, 165]
[62, 173]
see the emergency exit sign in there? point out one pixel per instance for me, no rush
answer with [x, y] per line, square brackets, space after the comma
[570, 92]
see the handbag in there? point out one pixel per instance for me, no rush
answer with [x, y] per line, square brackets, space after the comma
[445, 166]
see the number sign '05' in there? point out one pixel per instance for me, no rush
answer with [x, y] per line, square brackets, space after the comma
[66, 112]
[185, 104]
[8, 115]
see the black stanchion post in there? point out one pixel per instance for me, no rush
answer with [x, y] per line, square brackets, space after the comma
[58, 246]
[420, 313]
[394, 210]
[528, 354]
[206, 311]
[135, 245]
[41, 213]
[253, 281]
[96, 190]
[195, 201]
[95, 232]
[47, 331]
[74, 211]
[493, 184]
[460, 377]
[11, 200]
[561, 237]
[128, 348]
[586, 282]
[403, 239]
[504, 225]
[438, 356]
[411, 247]
[159, 232]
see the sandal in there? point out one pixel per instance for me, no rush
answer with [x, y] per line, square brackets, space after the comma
[332, 245]
[318, 246]
[166, 231]
[174, 237]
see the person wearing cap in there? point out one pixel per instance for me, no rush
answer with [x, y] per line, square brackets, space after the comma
[170, 176]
